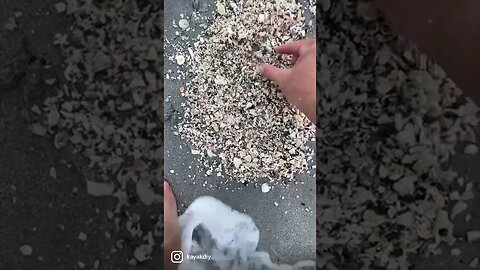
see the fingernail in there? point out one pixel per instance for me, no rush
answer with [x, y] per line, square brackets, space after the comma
[166, 184]
[259, 69]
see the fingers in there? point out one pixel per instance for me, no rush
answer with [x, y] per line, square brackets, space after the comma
[170, 202]
[294, 48]
[293, 60]
[273, 73]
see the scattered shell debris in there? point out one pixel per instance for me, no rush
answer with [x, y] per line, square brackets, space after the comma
[109, 108]
[265, 188]
[471, 149]
[81, 264]
[11, 24]
[455, 252]
[473, 236]
[180, 59]
[457, 209]
[231, 112]
[474, 263]
[389, 122]
[26, 250]
[99, 189]
[60, 7]
[53, 172]
[82, 236]
[183, 23]
[39, 130]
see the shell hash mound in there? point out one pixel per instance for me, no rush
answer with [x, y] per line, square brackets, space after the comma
[231, 110]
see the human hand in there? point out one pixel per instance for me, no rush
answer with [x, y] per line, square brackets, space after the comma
[172, 232]
[297, 83]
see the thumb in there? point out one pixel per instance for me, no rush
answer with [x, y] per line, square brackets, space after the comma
[273, 73]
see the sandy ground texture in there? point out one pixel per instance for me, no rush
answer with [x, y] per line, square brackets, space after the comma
[48, 215]
[55, 219]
